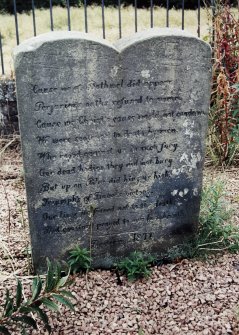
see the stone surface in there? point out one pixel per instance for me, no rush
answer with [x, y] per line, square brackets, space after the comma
[113, 141]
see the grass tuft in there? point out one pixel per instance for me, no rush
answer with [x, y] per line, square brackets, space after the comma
[216, 231]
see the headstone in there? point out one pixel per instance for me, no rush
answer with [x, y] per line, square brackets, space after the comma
[113, 140]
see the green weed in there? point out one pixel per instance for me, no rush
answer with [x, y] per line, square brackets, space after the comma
[136, 266]
[79, 260]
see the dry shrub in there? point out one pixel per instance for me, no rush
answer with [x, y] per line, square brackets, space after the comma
[224, 115]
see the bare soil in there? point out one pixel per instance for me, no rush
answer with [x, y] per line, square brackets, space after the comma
[190, 297]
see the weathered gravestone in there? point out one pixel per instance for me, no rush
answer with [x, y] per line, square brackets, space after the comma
[113, 141]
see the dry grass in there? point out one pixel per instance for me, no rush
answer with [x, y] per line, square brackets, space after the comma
[7, 24]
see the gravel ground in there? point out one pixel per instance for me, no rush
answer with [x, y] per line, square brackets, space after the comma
[191, 297]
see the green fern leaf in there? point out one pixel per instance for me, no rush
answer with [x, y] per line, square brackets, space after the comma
[62, 281]
[64, 301]
[43, 316]
[7, 297]
[28, 320]
[67, 294]
[50, 304]
[25, 309]
[57, 272]
[19, 294]
[36, 288]
[9, 307]
[50, 280]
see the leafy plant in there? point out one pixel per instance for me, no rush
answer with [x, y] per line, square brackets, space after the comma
[79, 260]
[136, 266]
[18, 312]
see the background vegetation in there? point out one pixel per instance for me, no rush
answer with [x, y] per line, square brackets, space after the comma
[224, 113]
[94, 14]
[7, 5]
